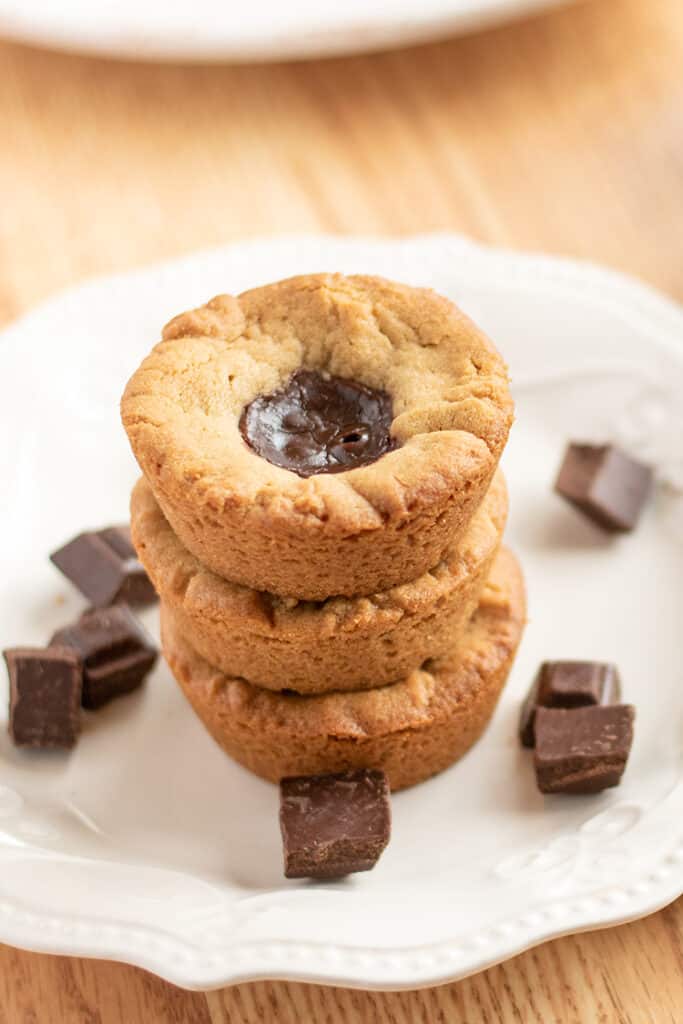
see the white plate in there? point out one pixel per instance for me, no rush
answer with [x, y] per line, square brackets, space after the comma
[147, 844]
[215, 30]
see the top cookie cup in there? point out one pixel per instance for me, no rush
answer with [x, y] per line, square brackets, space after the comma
[352, 532]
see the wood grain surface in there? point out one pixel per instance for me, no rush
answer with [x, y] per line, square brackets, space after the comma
[562, 133]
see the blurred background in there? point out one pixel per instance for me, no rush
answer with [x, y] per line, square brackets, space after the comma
[135, 132]
[560, 131]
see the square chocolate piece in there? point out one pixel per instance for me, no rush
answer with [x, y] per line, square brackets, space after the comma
[333, 825]
[104, 567]
[116, 651]
[582, 750]
[568, 684]
[45, 696]
[606, 484]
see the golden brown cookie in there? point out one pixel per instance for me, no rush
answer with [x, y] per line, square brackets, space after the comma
[410, 729]
[354, 532]
[339, 644]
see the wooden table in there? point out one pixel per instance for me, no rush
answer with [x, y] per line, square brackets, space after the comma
[563, 133]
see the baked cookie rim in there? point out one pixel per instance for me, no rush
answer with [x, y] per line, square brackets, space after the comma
[197, 590]
[426, 697]
[441, 455]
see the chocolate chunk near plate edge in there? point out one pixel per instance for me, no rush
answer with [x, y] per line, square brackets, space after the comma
[333, 825]
[104, 567]
[606, 484]
[45, 696]
[116, 651]
[568, 684]
[582, 750]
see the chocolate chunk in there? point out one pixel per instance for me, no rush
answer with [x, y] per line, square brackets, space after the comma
[568, 684]
[45, 696]
[582, 750]
[104, 567]
[118, 539]
[319, 424]
[117, 653]
[333, 825]
[606, 484]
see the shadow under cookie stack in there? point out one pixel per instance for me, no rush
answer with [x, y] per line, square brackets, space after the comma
[321, 514]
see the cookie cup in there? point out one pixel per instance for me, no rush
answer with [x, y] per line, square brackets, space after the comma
[411, 729]
[338, 644]
[354, 532]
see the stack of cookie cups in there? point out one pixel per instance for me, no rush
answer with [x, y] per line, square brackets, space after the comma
[326, 607]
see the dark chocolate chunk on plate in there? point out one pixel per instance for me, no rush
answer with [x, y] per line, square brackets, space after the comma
[333, 825]
[606, 484]
[117, 653]
[104, 567]
[45, 696]
[582, 750]
[568, 684]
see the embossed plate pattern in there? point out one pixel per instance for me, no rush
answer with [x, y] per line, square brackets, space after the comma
[147, 844]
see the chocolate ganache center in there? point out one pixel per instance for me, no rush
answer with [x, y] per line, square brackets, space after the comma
[319, 424]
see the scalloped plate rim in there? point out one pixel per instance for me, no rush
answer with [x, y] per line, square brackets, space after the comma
[375, 969]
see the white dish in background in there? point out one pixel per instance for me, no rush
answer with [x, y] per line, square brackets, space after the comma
[210, 30]
[147, 844]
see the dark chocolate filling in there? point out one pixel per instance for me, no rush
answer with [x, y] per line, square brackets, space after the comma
[318, 424]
